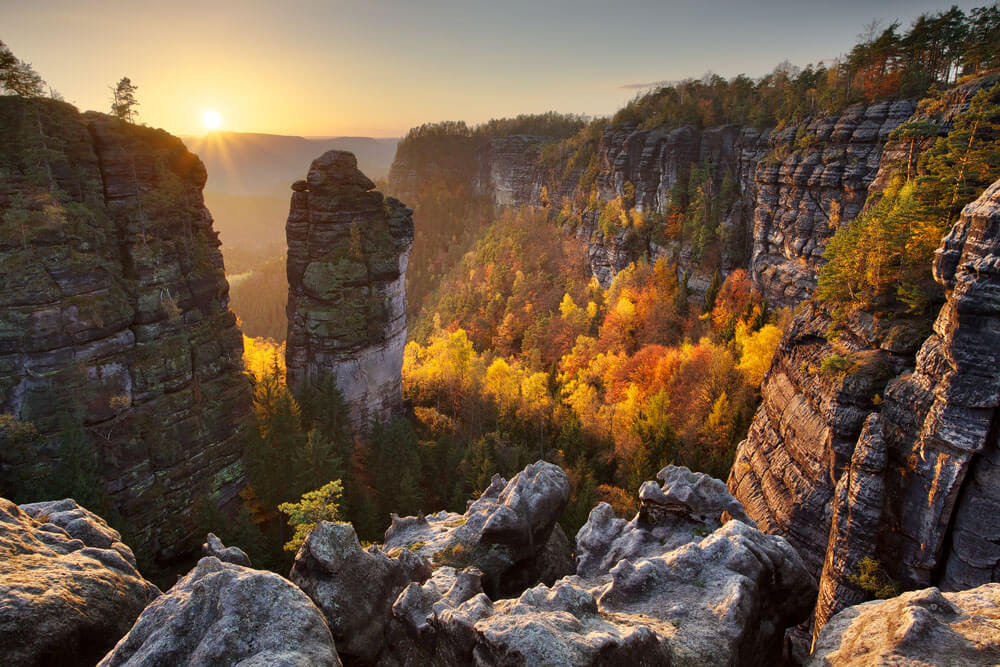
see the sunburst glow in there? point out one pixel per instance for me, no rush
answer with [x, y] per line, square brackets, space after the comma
[211, 119]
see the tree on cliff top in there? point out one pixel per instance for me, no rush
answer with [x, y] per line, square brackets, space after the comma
[17, 77]
[123, 100]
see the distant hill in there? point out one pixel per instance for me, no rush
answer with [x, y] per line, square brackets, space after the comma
[247, 163]
[249, 175]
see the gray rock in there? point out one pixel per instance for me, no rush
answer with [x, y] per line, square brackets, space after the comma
[854, 530]
[504, 532]
[348, 248]
[684, 509]
[723, 601]
[355, 588]
[69, 588]
[226, 614]
[213, 546]
[916, 628]
[124, 320]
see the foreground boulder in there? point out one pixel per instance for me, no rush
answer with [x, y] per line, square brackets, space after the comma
[225, 614]
[507, 533]
[354, 587]
[919, 627]
[69, 587]
[725, 599]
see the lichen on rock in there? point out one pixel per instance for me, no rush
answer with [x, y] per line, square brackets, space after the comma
[348, 248]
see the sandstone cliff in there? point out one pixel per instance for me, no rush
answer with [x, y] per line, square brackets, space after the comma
[114, 311]
[783, 193]
[347, 253]
[905, 475]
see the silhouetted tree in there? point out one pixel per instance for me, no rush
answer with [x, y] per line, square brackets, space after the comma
[123, 100]
[17, 77]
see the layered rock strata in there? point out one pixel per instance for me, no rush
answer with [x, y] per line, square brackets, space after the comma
[225, 614]
[347, 253]
[69, 587]
[905, 475]
[114, 312]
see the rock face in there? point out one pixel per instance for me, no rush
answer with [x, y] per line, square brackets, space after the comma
[920, 627]
[910, 483]
[667, 596]
[69, 588]
[347, 252]
[506, 533]
[225, 614]
[354, 587]
[114, 308]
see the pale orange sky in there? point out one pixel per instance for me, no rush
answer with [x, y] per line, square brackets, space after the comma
[379, 67]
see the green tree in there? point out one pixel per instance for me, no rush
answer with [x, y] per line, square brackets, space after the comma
[17, 77]
[323, 504]
[883, 258]
[124, 101]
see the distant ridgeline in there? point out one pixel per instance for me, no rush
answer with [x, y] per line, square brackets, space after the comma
[710, 173]
[121, 378]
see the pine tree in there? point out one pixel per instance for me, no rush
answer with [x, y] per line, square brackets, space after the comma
[124, 101]
[17, 77]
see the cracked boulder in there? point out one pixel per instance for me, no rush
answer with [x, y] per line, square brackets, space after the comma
[69, 587]
[226, 614]
[507, 533]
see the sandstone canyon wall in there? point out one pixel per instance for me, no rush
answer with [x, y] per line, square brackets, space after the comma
[114, 312]
[347, 253]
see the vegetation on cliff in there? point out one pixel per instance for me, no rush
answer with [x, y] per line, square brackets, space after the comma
[882, 259]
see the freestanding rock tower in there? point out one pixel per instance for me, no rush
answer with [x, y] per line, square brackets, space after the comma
[348, 248]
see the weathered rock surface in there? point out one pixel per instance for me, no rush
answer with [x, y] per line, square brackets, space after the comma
[917, 628]
[225, 614]
[114, 307]
[725, 599]
[69, 588]
[804, 432]
[347, 253]
[914, 485]
[505, 532]
[355, 588]
[685, 508]
[214, 547]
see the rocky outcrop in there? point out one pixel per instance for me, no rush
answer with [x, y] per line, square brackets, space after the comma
[347, 254]
[506, 533]
[354, 587]
[225, 614]
[675, 597]
[69, 588]
[114, 311]
[921, 627]
[214, 547]
[907, 480]
[685, 508]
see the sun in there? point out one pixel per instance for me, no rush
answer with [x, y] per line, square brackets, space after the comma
[211, 119]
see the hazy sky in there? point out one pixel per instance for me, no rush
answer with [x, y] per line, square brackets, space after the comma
[377, 68]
